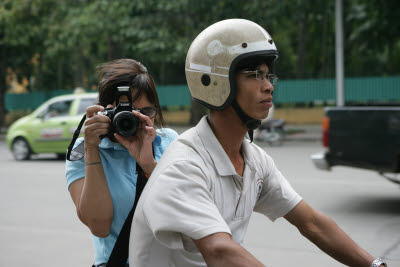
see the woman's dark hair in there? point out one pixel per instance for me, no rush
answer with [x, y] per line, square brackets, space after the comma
[127, 72]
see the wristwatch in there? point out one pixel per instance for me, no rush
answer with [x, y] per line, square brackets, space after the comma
[378, 262]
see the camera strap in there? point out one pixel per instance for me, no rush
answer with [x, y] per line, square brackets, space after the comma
[119, 254]
[78, 152]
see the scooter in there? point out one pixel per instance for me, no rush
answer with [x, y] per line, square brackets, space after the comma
[271, 131]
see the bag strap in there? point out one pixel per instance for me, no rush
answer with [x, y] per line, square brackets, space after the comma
[119, 254]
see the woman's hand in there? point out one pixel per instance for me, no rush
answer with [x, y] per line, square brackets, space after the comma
[95, 125]
[140, 145]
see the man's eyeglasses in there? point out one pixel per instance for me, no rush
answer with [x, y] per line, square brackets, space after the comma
[150, 112]
[260, 75]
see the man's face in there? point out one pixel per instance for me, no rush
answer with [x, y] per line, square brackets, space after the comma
[254, 95]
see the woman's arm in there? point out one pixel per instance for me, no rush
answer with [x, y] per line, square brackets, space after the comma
[91, 194]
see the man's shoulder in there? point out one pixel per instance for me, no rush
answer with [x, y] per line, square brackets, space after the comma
[258, 156]
[255, 150]
[186, 147]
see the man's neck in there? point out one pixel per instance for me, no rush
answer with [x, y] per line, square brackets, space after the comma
[229, 130]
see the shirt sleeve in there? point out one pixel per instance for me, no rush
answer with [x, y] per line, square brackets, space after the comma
[74, 170]
[180, 202]
[169, 135]
[277, 197]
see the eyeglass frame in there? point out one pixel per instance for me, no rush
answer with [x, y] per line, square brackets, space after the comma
[152, 108]
[272, 78]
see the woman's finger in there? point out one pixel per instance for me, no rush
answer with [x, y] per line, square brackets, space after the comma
[93, 127]
[99, 132]
[98, 119]
[146, 121]
[92, 110]
[150, 130]
[122, 140]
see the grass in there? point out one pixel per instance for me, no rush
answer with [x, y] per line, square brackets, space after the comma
[178, 116]
[290, 115]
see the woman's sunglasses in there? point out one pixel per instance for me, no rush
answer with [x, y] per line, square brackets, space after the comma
[150, 112]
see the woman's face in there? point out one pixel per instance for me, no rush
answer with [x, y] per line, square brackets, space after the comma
[140, 103]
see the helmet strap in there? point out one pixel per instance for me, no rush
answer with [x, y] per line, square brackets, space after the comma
[248, 121]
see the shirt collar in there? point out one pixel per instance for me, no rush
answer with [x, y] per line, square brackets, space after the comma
[210, 142]
[106, 143]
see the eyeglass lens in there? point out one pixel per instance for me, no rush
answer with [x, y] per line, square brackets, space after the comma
[150, 112]
[260, 75]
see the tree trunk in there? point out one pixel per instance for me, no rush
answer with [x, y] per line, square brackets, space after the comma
[162, 72]
[60, 74]
[301, 49]
[391, 69]
[114, 49]
[39, 80]
[3, 86]
[109, 48]
[80, 69]
[323, 65]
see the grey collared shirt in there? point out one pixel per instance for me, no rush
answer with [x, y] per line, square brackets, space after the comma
[195, 192]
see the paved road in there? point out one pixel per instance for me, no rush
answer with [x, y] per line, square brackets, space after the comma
[38, 225]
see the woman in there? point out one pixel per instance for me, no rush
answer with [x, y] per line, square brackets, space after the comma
[103, 184]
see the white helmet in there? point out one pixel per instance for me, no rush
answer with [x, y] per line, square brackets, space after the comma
[214, 55]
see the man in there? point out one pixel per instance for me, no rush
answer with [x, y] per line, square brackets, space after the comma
[197, 205]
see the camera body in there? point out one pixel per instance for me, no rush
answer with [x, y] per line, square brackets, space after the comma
[123, 121]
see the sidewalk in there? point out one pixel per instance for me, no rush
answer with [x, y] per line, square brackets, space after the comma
[304, 132]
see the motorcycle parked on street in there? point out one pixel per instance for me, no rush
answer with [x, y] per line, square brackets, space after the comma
[271, 131]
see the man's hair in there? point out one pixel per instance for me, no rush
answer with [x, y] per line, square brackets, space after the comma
[127, 72]
[252, 63]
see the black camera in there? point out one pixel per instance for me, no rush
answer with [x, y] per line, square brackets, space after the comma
[123, 121]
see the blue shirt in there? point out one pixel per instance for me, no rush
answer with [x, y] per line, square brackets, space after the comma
[120, 171]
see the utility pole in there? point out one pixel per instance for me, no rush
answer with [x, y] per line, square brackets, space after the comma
[339, 54]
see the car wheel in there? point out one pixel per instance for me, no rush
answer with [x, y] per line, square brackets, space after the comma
[21, 149]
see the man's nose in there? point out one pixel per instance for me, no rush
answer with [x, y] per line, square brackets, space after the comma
[267, 86]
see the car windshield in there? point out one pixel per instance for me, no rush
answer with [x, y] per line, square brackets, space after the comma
[57, 109]
[84, 103]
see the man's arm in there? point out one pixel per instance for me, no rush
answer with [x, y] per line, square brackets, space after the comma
[220, 250]
[328, 236]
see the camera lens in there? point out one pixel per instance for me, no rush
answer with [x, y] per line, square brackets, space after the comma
[125, 123]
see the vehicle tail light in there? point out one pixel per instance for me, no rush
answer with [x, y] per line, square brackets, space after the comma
[325, 132]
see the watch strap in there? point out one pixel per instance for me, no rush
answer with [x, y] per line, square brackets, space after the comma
[378, 262]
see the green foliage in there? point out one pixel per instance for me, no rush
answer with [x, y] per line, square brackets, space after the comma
[57, 43]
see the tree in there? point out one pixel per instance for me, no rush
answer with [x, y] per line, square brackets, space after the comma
[20, 42]
[56, 44]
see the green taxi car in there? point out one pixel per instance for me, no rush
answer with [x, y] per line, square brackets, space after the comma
[50, 127]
